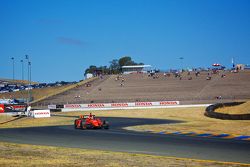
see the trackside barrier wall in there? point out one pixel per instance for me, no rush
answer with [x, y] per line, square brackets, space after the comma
[210, 112]
[114, 105]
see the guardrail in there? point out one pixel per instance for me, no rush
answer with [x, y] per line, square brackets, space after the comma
[210, 112]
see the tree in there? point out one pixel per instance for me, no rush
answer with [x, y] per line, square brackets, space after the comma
[125, 61]
[114, 66]
[91, 69]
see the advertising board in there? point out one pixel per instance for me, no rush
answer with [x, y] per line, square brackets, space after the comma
[41, 113]
[120, 105]
[1, 108]
[12, 107]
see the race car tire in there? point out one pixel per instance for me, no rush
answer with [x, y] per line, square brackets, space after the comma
[105, 125]
[89, 126]
[75, 124]
[82, 126]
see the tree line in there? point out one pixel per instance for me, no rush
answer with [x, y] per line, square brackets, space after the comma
[115, 66]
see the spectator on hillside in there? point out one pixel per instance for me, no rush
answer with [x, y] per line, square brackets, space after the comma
[218, 97]
[117, 78]
[197, 73]
[87, 85]
[176, 74]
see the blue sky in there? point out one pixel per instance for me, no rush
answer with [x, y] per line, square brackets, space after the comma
[64, 37]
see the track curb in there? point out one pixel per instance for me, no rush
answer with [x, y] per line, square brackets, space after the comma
[205, 135]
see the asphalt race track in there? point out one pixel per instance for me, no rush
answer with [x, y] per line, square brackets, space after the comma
[117, 139]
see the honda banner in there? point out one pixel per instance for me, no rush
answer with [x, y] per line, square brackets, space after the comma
[41, 113]
[115, 105]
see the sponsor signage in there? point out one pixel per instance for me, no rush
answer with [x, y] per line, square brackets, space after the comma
[1, 108]
[98, 105]
[41, 113]
[12, 107]
[51, 106]
[166, 103]
[72, 106]
[118, 105]
[144, 104]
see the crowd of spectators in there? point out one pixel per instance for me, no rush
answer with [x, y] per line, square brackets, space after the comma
[188, 74]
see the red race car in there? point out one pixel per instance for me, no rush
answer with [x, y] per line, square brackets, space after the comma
[90, 122]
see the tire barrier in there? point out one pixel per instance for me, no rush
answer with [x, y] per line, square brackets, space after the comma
[210, 112]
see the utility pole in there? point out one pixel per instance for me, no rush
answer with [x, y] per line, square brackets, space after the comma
[30, 80]
[22, 69]
[28, 63]
[13, 66]
[233, 62]
[181, 58]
